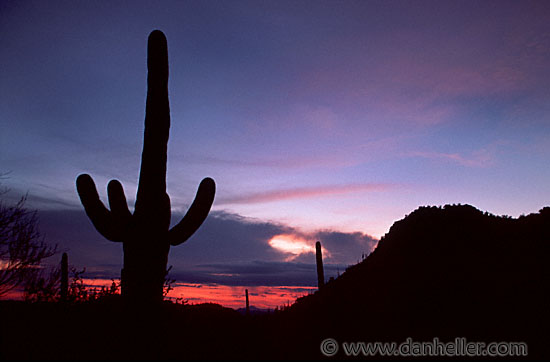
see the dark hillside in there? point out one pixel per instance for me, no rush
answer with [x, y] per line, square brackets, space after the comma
[443, 272]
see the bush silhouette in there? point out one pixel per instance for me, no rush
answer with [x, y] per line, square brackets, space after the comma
[22, 247]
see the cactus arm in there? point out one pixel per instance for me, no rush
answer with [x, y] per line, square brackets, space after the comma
[96, 211]
[196, 214]
[146, 233]
[117, 203]
[152, 199]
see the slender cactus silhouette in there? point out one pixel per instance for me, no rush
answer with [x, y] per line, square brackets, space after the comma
[146, 234]
[247, 304]
[319, 260]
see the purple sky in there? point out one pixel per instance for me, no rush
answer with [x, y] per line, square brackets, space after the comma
[310, 115]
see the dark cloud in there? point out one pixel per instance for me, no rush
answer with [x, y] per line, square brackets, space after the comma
[228, 249]
[229, 238]
[73, 232]
[346, 247]
[254, 273]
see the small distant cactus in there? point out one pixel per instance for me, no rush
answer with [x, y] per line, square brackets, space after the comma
[64, 292]
[320, 271]
[145, 234]
[247, 305]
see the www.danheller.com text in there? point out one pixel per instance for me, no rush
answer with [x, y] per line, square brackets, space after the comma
[460, 347]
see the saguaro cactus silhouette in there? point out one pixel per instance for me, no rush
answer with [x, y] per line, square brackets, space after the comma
[320, 270]
[146, 234]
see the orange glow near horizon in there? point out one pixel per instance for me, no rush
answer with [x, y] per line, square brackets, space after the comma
[264, 297]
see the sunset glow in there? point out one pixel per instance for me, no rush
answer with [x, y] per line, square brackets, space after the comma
[318, 120]
[262, 297]
[272, 179]
[292, 244]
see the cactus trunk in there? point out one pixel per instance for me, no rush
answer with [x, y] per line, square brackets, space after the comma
[320, 271]
[145, 234]
[144, 284]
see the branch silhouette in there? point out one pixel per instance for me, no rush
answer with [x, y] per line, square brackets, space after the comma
[146, 234]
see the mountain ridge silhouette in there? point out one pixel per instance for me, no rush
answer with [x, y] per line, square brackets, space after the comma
[443, 272]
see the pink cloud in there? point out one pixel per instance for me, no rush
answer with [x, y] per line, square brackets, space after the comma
[417, 79]
[481, 158]
[302, 193]
[284, 163]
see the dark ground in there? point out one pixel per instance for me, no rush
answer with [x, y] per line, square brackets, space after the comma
[440, 272]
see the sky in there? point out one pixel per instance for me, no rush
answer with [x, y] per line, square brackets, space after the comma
[318, 120]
